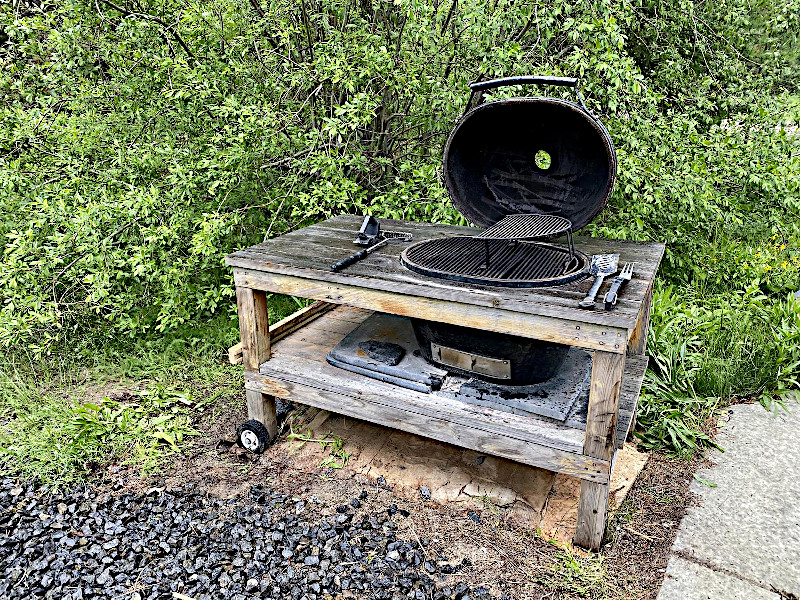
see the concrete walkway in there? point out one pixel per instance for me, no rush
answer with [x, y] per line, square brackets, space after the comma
[742, 542]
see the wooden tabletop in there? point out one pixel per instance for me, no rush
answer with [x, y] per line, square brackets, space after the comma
[298, 263]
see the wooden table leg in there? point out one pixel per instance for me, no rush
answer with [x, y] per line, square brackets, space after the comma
[261, 407]
[638, 341]
[601, 419]
[254, 331]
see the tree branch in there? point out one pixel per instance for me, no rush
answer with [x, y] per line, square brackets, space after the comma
[155, 19]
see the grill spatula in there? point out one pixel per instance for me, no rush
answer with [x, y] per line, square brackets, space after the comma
[602, 266]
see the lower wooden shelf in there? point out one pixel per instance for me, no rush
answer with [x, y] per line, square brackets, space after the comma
[298, 370]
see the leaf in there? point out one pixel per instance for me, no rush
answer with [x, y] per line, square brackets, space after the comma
[166, 437]
[704, 481]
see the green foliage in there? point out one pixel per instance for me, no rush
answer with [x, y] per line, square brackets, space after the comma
[705, 352]
[59, 440]
[142, 140]
[338, 455]
[576, 575]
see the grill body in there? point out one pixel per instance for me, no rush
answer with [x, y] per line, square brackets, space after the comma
[526, 169]
[530, 361]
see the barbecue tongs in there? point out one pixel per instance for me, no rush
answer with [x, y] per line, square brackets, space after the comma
[371, 236]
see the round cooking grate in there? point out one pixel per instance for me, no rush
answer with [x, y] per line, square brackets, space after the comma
[510, 264]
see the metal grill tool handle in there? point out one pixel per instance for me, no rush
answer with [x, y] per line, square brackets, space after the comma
[384, 238]
[624, 276]
[588, 302]
[357, 256]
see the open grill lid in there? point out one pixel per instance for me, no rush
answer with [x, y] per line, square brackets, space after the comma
[529, 155]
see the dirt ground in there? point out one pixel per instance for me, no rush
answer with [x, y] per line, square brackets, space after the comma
[504, 553]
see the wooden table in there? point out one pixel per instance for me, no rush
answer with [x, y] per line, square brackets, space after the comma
[288, 359]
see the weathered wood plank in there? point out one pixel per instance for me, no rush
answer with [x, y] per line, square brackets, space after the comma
[317, 338]
[325, 244]
[607, 372]
[303, 354]
[344, 227]
[385, 265]
[584, 335]
[307, 253]
[311, 372]
[592, 510]
[261, 407]
[285, 326]
[331, 234]
[253, 326]
[235, 354]
[298, 319]
[434, 424]
[635, 368]
[637, 344]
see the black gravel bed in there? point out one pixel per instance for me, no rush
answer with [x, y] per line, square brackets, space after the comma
[84, 543]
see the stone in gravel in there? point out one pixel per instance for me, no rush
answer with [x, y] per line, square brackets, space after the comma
[362, 495]
[342, 509]
[425, 492]
[474, 516]
[177, 540]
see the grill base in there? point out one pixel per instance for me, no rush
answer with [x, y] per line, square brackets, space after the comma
[500, 263]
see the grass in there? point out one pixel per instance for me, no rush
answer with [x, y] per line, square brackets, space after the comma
[575, 574]
[67, 418]
[338, 456]
[709, 352]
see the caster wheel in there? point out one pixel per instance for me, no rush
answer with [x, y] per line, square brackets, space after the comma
[252, 436]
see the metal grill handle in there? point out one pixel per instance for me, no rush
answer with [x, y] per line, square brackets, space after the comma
[478, 87]
[482, 86]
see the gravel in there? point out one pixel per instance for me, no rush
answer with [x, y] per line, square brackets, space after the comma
[82, 543]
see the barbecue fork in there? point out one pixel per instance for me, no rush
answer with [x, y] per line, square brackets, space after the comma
[624, 276]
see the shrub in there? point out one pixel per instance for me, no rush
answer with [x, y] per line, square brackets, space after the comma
[140, 145]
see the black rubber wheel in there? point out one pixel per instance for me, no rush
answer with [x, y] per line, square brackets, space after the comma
[253, 436]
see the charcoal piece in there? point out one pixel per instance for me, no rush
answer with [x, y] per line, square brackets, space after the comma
[384, 352]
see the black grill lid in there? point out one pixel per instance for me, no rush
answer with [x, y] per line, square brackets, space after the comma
[529, 155]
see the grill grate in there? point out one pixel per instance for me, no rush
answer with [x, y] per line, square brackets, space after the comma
[527, 227]
[513, 263]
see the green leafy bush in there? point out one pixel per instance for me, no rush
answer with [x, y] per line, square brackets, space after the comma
[141, 141]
